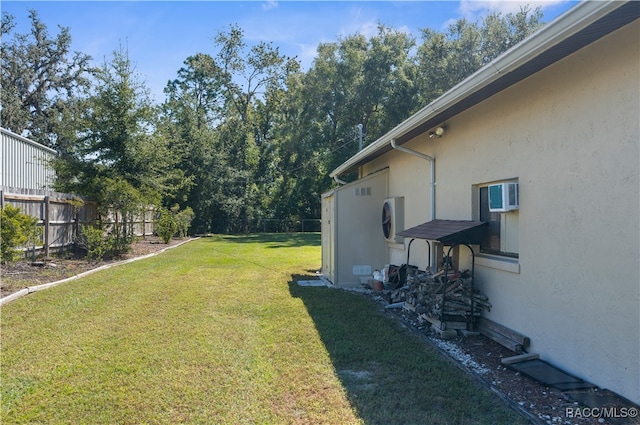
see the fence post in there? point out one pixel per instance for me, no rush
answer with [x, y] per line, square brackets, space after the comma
[1, 199]
[76, 228]
[46, 226]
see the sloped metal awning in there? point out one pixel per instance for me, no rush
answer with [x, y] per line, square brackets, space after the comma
[448, 232]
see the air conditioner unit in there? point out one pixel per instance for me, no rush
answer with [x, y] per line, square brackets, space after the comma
[503, 197]
[393, 219]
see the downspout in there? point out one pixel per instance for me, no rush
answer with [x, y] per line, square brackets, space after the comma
[340, 182]
[433, 172]
[432, 161]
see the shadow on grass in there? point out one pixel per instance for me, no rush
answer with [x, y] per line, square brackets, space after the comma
[276, 240]
[390, 375]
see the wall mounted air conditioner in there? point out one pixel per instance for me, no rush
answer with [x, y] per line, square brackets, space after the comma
[393, 219]
[503, 197]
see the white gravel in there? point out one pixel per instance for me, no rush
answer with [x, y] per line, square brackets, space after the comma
[454, 351]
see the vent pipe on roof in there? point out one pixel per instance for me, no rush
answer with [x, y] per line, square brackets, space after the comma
[433, 172]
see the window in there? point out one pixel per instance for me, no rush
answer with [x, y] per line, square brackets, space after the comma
[501, 237]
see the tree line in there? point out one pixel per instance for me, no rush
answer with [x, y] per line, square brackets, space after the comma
[243, 133]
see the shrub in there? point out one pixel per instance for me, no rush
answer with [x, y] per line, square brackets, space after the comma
[17, 229]
[183, 220]
[166, 225]
[119, 201]
[100, 246]
[93, 241]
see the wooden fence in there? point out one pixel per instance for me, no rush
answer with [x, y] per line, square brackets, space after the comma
[62, 215]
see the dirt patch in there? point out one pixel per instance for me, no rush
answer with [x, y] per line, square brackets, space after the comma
[24, 274]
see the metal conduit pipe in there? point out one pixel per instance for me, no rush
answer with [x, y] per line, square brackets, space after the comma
[433, 172]
[432, 161]
[340, 182]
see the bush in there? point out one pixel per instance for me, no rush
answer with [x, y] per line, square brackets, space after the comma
[166, 225]
[100, 246]
[17, 229]
[183, 220]
[118, 201]
[93, 241]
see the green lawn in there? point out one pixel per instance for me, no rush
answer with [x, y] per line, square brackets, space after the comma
[217, 332]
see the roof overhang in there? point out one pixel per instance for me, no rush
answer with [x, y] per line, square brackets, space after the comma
[448, 232]
[28, 141]
[580, 26]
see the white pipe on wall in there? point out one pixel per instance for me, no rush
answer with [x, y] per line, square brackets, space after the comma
[340, 182]
[433, 172]
[432, 161]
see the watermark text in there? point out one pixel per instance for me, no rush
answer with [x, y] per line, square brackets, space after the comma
[601, 412]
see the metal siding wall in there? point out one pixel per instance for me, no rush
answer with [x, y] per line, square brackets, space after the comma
[25, 164]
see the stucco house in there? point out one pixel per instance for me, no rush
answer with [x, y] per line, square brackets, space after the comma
[552, 128]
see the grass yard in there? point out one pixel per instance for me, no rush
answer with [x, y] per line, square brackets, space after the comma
[217, 332]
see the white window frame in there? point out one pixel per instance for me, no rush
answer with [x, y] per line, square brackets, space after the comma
[507, 257]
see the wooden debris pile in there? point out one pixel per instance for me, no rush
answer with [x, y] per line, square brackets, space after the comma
[423, 294]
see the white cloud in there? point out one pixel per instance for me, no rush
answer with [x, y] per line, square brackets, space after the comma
[474, 9]
[270, 4]
[356, 20]
[368, 29]
[307, 54]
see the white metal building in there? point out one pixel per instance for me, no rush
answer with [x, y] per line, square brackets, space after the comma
[24, 163]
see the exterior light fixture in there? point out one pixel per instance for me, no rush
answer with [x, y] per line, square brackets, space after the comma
[438, 132]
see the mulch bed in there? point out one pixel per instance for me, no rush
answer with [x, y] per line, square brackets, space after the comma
[26, 273]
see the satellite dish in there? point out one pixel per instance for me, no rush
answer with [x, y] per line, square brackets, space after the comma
[386, 220]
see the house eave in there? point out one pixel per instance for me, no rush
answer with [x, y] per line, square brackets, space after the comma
[583, 24]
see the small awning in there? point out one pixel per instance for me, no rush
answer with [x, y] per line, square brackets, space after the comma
[448, 232]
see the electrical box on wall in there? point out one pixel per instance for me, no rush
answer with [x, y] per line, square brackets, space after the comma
[503, 197]
[393, 219]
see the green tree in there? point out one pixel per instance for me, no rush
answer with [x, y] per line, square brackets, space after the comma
[192, 111]
[445, 59]
[250, 76]
[166, 225]
[120, 203]
[243, 133]
[353, 81]
[376, 82]
[383, 94]
[40, 79]
[183, 221]
[219, 117]
[113, 153]
[115, 138]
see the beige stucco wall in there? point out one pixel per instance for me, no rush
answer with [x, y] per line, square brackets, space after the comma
[352, 219]
[570, 135]
[416, 203]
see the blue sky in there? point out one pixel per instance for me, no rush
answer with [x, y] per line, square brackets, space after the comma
[160, 35]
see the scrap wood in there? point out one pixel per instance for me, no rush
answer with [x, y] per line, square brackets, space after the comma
[423, 294]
